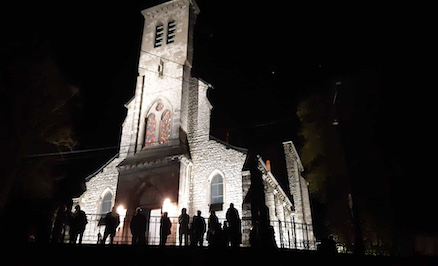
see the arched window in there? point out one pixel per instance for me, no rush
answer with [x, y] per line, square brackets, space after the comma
[107, 203]
[165, 126]
[217, 193]
[158, 124]
[151, 124]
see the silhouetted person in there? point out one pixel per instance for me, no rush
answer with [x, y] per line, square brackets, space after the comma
[61, 219]
[225, 235]
[214, 229]
[254, 235]
[77, 225]
[271, 236]
[112, 221]
[266, 233]
[234, 226]
[138, 228]
[198, 229]
[165, 226]
[328, 246]
[183, 221]
[331, 245]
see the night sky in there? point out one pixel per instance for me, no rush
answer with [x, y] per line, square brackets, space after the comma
[261, 60]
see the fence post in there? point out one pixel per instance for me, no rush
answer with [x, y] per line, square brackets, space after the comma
[289, 234]
[295, 233]
[306, 245]
[281, 233]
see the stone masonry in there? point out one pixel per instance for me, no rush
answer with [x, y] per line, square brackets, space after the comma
[194, 156]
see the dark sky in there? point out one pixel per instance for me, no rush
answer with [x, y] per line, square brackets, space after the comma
[261, 59]
[269, 55]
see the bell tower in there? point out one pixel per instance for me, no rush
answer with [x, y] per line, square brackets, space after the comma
[168, 32]
[164, 68]
[154, 135]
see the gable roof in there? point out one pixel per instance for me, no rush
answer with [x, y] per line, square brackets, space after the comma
[100, 169]
[268, 177]
[228, 145]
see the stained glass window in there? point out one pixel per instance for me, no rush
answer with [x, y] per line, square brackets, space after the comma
[165, 126]
[217, 190]
[150, 129]
[159, 106]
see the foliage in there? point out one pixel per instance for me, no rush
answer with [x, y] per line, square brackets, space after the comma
[41, 120]
[350, 157]
[323, 159]
[37, 106]
[320, 153]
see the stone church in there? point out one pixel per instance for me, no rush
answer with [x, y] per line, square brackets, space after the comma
[168, 160]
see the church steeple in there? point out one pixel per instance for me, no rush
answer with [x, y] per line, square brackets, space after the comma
[167, 159]
[160, 105]
[168, 32]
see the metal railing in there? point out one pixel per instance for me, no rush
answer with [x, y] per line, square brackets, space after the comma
[288, 235]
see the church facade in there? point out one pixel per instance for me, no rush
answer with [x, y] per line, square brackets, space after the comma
[168, 160]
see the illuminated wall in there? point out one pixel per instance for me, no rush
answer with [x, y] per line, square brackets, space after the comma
[166, 151]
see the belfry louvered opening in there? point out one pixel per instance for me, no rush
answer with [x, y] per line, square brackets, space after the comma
[171, 29]
[159, 29]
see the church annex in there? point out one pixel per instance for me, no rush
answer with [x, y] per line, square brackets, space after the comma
[167, 159]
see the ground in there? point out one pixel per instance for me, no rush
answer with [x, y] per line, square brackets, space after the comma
[141, 255]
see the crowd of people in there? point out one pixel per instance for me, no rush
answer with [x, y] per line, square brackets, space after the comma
[192, 231]
[189, 234]
[218, 235]
[76, 222]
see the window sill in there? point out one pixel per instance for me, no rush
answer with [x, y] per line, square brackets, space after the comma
[216, 207]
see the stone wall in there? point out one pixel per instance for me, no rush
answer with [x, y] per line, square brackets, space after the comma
[294, 169]
[300, 192]
[210, 156]
[164, 73]
[91, 200]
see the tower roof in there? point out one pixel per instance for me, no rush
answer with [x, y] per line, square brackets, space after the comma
[156, 3]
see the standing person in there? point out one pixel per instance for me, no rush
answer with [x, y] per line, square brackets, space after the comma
[77, 225]
[165, 226]
[213, 229]
[198, 229]
[183, 221]
[254, 235]
[234, 226]
[138, 228]
[328, 246]
[58, 230]
[112, 221]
